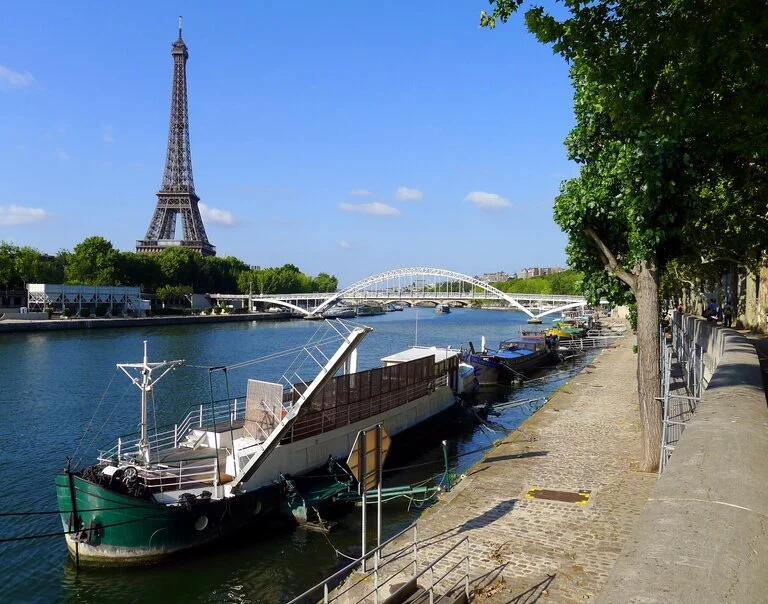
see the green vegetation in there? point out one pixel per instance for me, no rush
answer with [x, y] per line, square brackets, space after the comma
[564, 283]
[172, 274]
[671, 137]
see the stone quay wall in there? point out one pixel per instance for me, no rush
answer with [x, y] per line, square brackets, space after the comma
[703, 535]
[20, 325]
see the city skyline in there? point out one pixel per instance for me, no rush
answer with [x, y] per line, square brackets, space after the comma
[342, 145]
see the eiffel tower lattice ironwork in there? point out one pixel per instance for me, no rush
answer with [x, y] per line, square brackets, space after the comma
[177, 194]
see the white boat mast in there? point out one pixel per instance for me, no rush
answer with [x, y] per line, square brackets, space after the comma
[145, 385]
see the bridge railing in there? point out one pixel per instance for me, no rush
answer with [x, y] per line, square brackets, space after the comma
[405, 295]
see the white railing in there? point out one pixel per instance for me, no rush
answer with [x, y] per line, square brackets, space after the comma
[182, 474]
[221, 412]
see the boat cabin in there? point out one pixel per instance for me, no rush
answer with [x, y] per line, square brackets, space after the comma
[523, 344]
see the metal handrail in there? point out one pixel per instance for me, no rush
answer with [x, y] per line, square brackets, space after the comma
[338, 574]
[377, 567]
[349, 414]
[196, 417]
[438, 559]
[201, 411]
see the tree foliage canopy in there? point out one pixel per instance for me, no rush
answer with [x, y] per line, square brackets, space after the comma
[95, 261]
[671, 130]
[671, 138]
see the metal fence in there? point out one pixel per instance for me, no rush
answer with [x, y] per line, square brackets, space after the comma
[350, 398]
[682, 359]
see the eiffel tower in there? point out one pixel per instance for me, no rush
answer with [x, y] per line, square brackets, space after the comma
[177, 193]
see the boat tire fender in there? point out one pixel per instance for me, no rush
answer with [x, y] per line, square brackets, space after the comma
[130, 474]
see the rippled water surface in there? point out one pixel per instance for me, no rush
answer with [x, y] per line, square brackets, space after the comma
[53, 384]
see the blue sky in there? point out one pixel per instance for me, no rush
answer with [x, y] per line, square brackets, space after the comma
[346, 137]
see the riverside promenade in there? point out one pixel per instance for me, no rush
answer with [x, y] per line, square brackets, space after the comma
[583, 445]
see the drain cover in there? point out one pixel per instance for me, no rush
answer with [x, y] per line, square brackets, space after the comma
[580, 497]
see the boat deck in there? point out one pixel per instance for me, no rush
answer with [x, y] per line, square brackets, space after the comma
[180, 454]
[185, 468]
[222, 426]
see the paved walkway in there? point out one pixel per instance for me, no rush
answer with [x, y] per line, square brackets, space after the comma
[587, 438]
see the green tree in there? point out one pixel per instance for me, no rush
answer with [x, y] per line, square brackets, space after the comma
[93, 262]
[9, 277]
[324, 283]
[173, 292]
[182, 266]
[29, 266]
[249, 282]
[222, 274]
[142, 270]
[670, 136]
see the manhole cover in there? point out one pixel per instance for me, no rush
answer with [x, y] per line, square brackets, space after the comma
[580, 497]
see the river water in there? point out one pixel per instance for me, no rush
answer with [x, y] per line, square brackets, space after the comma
[54, 385]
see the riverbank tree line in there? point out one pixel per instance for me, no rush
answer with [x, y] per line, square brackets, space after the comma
[170, 273]
[564, 283]
[568, 282]
[671, 140]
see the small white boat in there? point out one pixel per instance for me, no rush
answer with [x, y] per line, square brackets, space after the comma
[340, 312]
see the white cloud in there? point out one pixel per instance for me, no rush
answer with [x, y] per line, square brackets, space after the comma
[223, 217]
[492, 202]
[407, 194]
[12, 214]
[346, 245]
[360, 193]
[11, 80]
[374, 208]
[63, 155]
[107, 134]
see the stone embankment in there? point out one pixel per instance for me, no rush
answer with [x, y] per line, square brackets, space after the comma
[18, 325]
[586, 440]
[703, 534]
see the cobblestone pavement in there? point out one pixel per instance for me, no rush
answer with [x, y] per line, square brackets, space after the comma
[586, 438]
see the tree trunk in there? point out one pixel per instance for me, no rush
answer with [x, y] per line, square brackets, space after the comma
[648, 384]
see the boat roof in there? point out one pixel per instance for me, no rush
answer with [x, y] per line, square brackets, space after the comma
[512, 354]
[419, 352]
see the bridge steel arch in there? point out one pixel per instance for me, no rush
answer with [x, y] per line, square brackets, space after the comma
[414, 272]
[561, 308]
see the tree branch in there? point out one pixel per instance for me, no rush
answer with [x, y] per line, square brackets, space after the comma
[609, 259]
[683, 279]
[723, 259]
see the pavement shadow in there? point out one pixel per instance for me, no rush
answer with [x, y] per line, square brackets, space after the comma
[516, 456]
[500, 509]
[484, 586]
[533, 594]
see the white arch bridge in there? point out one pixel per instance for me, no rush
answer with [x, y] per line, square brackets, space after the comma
[416, 285]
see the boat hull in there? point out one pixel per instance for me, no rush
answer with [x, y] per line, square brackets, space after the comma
[115, 529]
[491, 369]
[110, 528]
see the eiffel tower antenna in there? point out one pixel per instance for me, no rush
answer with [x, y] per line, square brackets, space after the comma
[177, 193]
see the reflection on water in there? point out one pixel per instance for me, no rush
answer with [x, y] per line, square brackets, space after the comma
[53, 382]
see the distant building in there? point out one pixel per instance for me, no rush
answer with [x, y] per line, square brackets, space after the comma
[495, 277]
[12, 299]
[537, 271]
[94, 298]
